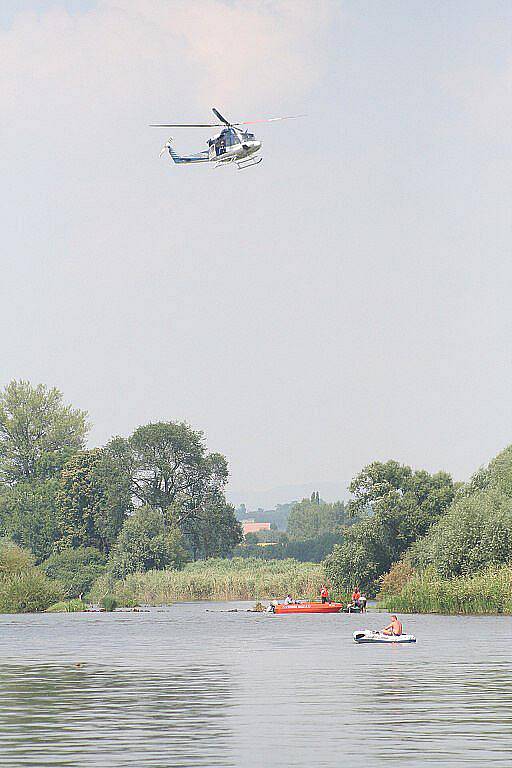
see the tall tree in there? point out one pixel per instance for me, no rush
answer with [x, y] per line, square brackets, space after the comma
[398, 506]
[38, 432]
[93, 500]
[170, 468]
[171, 471]
[28, 515]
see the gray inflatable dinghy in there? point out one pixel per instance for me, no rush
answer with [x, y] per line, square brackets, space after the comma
[371, 636]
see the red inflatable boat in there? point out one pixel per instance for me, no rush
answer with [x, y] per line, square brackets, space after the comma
[305, 607]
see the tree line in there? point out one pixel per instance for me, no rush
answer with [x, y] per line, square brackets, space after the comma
[313, 528]
[415, 525]
[151, 500]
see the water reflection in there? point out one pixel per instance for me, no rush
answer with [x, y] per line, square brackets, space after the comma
[92, 716]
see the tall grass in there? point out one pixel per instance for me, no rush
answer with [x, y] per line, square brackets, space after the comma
[215, 579]
[486, 592]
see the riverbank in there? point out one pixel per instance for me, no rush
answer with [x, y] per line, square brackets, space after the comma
[214, 579]
[488, 592]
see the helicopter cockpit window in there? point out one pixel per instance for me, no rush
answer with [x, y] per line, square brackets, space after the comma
[231, 139]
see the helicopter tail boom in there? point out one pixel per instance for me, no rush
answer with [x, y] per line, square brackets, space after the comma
[200, 157]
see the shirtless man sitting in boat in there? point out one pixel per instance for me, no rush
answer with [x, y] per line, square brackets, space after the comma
[395, 628]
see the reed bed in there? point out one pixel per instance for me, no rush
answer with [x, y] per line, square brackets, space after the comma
[215, 579]
[486, 592]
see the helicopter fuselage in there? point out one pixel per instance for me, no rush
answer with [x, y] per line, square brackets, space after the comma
[232, 146]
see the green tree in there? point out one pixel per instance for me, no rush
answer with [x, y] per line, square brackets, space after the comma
[93, 500]
[169, 467]
[76, 569]
[170, 470]
[400, 506]
[475, 533]
[38, 433]
[496, 476]
[214, 531]
[309, 519]
[28, 515]
[363, 556]
[146, 543]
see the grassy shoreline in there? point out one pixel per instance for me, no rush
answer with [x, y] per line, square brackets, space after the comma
[215, 579]
[488, 592]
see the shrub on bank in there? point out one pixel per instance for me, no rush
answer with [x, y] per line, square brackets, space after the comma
[489, 591]
[28, 592]
[146, 543]
[13, 558]
[215, 579]
[67, 606]
[396, 578]
[475, 533]
[23, 587]
[76, 569]
[109, 603]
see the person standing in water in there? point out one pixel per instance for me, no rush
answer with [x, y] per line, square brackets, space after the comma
[356, 594]
[395, 628]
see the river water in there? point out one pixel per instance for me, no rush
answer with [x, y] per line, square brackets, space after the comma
[195, 685]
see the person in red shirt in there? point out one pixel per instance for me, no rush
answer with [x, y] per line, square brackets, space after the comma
[395, 628]
[356, 594]
[324, 594]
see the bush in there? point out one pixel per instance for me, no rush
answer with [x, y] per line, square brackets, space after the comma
[67, 606]
[14, 559]
[108, 603]
[28, 592]
[23, 587]
[475, 533]
[393, 582]
[77, 569]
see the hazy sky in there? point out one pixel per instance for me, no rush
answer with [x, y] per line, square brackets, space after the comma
[347, 300]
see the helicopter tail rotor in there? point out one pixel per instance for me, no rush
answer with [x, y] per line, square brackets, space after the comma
[166, 147]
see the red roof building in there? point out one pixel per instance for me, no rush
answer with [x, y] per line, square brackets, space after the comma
[249, 526]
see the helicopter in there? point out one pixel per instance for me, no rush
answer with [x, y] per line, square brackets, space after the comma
[232, 145]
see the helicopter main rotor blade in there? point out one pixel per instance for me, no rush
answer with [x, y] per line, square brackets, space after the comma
[269, 120]
[185, 125]
[218, 114]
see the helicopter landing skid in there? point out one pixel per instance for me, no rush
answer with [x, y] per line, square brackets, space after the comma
[249, 162]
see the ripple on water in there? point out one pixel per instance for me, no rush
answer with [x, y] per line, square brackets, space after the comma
[186, 687]
[94, 716]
